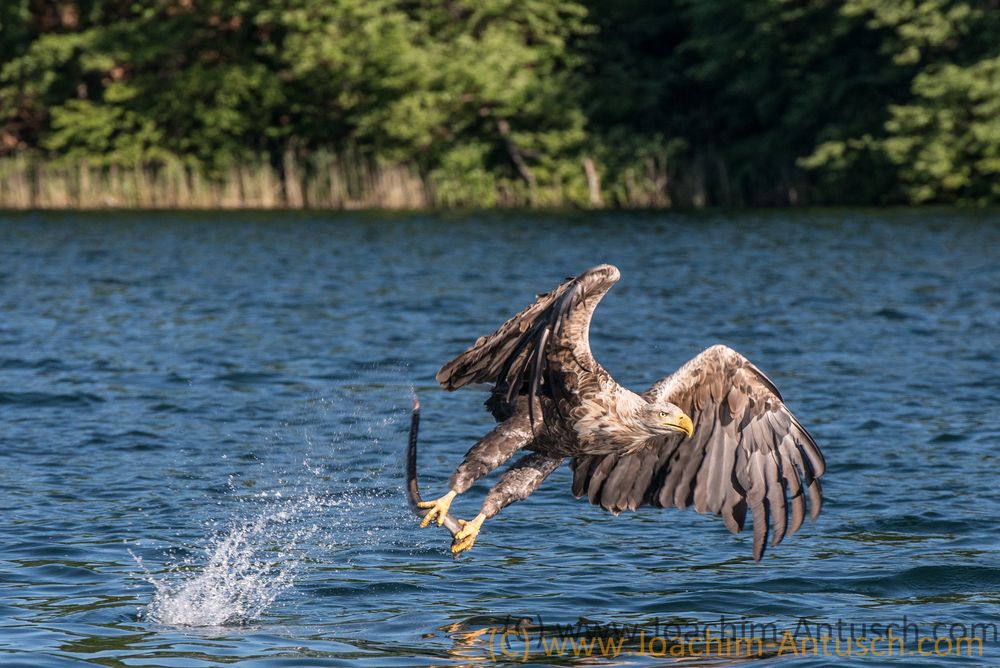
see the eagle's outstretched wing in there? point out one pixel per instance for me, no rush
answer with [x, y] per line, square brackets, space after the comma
[747, 450]
[551, 336]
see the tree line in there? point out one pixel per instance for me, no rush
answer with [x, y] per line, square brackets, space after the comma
[591, 103]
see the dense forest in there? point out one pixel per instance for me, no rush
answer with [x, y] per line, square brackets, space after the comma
[590, 103]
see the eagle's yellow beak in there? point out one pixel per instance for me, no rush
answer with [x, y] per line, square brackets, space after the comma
[682, 423]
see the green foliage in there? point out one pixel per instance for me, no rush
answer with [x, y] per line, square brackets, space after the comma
[940, 137]
[504, 102]
[463, 179]
[946, 142]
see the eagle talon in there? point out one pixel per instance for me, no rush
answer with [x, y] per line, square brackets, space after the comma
[438, 508]
[466, 538]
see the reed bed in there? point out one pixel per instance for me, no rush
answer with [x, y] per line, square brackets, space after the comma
[327, 180]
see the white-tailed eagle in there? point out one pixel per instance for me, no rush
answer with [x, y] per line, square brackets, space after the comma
[715, 434]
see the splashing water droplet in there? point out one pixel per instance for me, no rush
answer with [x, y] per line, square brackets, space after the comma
[246, 569]
[260, 551]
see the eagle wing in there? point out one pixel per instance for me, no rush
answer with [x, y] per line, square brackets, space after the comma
[747, 450]
[548, 338]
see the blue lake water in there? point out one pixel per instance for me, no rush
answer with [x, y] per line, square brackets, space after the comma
[203, 418]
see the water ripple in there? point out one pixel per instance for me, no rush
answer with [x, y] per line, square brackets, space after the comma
[44, 399]
[203, 417]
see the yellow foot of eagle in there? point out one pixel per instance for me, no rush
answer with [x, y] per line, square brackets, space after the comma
[438, 509]
[466, 538]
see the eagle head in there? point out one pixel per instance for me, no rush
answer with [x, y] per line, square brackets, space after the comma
[662, 418]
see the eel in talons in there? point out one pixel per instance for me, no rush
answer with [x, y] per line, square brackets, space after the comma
[412, 488]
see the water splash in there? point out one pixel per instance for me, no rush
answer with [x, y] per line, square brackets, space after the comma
[245, 570]
[259, 554]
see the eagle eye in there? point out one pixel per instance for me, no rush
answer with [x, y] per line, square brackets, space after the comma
[662, 414]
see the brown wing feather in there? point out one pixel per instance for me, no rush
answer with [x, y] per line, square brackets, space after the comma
[483, 362]
[747, 452]
[519, 357]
